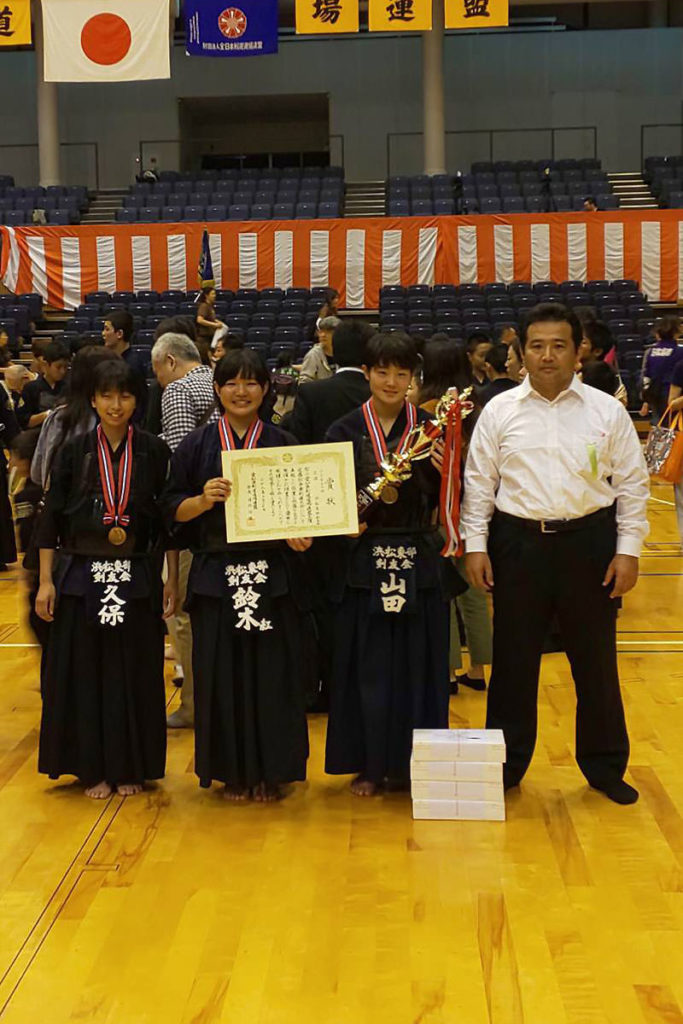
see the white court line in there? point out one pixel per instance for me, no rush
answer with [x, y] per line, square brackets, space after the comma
[648, 643]
[19, 645]
[662, 501]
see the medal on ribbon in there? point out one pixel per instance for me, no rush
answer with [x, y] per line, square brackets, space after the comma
[116, 494]
[228, 443]
[389, 494]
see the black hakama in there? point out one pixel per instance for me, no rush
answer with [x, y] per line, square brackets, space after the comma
[250, 685]
[391, 668]
[104, 714]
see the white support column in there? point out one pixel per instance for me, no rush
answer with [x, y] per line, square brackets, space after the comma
[47, 113]
[434, 123]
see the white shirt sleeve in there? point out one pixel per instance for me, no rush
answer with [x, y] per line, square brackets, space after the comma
[481, 483]
[631, 484]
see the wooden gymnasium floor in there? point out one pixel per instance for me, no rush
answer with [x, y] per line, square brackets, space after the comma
[174, 908]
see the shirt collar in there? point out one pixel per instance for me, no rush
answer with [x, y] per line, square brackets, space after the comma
[525, 390]
[348, 369]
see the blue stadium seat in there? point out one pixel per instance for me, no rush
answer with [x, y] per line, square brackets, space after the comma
[172, 214]
[149, 214]
[305, 211]
[216, 213]
[259, 335]
[444, 207]
[57, 217]
[535, 204]
[399, 208]
[259, 319]
[14, 218]
[489, 204]
[563, 204]
[329, 210]
[193, 213]
[513, 204]
[261, 211]
[283, 211]
[238, 211]
[422, 208]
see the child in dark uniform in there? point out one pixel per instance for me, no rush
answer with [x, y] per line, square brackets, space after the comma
[246, 604]
[391, 672]
[102, 544]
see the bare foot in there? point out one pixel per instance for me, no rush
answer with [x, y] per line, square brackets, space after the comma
[99, 792]
[129, 789]
[264, 793]
[236, 795]
[363, 787]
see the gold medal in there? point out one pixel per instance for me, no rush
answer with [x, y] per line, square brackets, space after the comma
[389, 495]
[117, 535]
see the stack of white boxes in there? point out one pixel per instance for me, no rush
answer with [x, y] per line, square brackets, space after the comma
[457, 774]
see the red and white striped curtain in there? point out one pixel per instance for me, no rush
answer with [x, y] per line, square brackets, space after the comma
[355, 256]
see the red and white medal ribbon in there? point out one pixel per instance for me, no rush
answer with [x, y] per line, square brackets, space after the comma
[115, 498]
[450, 482]
[379, 443]
[227, 437]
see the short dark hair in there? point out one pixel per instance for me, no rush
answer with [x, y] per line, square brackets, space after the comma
[208, 288]
[500, 331]
[244, 363]
[443, 367]
[177, 325]
[599, 335]
[555, 313]
[496, 357]
[477, 338]
[121, 320]
[23, 446]
[393, 348]
[591, 199]
[601, 376]
[55, 351]
[667, 327]
[115, 375]
[38, 346]
[349, 342]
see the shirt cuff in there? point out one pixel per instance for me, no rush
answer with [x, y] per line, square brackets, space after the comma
[478, 543]
[629, 546]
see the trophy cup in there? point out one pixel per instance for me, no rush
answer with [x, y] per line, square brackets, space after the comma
[396, 467]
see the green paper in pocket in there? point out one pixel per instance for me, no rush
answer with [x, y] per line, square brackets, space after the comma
[593, 459]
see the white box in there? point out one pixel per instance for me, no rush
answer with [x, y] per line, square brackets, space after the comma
[458, 745]
[458, 810]
[460, 771]
[489, 792]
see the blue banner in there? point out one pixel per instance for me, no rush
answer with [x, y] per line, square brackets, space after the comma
[215, 28]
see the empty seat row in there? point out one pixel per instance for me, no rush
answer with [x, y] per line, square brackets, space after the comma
[259, 211]
[232, 198]
[255, 172]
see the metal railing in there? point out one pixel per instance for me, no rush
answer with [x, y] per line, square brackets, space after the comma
[492, 135]
[27, 171]
[335, 149]
[658, 127]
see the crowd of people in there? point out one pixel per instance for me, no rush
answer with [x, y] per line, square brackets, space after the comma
[118, 494]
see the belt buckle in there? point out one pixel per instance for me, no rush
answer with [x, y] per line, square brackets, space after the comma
[544, 528]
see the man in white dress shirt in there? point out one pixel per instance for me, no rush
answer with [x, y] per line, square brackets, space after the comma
[554, 517]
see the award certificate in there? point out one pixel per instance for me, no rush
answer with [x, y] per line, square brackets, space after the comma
[282, 493]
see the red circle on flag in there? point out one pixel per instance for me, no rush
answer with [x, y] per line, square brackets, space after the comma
[106, 39]
[232, 22]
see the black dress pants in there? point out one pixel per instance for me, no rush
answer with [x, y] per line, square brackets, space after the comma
[536, 576]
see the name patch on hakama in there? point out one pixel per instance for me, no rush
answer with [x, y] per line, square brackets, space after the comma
[394, 591]
[109, 591]
[250, 599]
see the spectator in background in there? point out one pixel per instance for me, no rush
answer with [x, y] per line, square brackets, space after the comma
[506, 335]
[590, 204]
[117, 335]
[170, 325]
[598, 374]
[26, 499]
[316, 363]
[76, 416]
[444, 367]
[478, 345]
[659, 364]
[597, 341]
[514, 364]
[207, 322]
[496, 371]
[37, 364]
[44, 393]
[330, 307]
[9, 428]
[188, 402]
[319, 404]
[676, 403]
[224, 341]
[5, 353]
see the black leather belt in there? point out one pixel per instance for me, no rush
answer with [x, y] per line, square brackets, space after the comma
[560, 525]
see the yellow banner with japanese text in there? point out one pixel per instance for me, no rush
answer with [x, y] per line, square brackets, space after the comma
[477, 13]
[326, 16]
[400, 15]
[15, 23]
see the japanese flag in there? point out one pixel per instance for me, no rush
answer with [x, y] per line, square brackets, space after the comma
[106, 40]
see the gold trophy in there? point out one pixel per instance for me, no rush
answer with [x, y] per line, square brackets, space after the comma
[396, 467]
